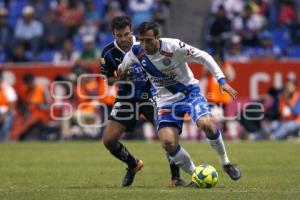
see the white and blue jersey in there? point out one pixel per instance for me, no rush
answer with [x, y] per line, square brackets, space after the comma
[177, 91]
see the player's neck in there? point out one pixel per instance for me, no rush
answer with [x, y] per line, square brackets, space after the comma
[126, 49]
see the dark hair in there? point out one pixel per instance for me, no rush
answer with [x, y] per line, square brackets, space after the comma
[147, 26]
[120, 22]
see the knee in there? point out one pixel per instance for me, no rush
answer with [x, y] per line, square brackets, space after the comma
[207, 125]
[169, 145]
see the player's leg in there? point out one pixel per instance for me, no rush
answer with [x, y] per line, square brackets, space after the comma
[148, 109]
[121, 119]
[200, 113]
[169, 137]
[215, 139]
[112, 134]
[176, 180]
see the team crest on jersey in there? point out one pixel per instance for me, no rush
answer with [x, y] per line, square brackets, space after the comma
[166, 61]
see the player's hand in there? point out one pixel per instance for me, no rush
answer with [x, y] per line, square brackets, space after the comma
[123, 75]
[227, 88]
[102, 61]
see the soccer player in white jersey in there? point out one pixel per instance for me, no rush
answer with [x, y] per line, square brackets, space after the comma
[178, 92]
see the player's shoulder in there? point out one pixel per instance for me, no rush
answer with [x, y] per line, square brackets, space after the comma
[169, 41]
[170, 44]
[108, 48]
[136, 49]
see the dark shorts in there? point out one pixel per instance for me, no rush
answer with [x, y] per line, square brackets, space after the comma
[128, 112]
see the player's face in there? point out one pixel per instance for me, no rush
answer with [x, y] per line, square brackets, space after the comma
[149, 42]
[123, 38]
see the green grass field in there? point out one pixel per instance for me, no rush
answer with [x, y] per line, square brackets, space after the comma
[85, 170]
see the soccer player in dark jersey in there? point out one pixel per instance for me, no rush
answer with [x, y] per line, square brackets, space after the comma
[134, 98]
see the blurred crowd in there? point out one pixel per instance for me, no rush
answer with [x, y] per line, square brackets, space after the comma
[64, 31]
[281, 114]
[254, 29]
[73, 32]
[77, 106]
[73, 106]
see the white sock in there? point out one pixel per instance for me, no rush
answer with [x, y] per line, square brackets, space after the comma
[183, 159]
[218, 145]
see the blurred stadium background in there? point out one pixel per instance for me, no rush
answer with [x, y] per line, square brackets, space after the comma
[51, 44]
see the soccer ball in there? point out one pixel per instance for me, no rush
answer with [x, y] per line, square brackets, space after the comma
[205, 176]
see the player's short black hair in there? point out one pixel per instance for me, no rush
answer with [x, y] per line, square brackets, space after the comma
[147, 26]
[120, 22]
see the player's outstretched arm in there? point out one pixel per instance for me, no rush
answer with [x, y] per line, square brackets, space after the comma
[193, 54]
[227, 88]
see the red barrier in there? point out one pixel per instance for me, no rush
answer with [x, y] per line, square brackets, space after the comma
[251, 79]
[254, 78]
[40, 71]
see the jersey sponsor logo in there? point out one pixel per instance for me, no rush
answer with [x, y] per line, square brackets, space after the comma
[164, 81]
[136, 68]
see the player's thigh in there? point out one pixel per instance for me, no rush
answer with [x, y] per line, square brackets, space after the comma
[148, 109]
[125, 114]
[170, 117]
[113, 131]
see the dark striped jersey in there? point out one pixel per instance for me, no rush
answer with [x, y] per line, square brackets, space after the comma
[113, 56]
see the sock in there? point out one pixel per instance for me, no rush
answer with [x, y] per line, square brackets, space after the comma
[182, 159]
[123, 154]
[174, 169]
[217, 143]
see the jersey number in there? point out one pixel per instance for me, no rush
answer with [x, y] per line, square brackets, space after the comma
[197, 108]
